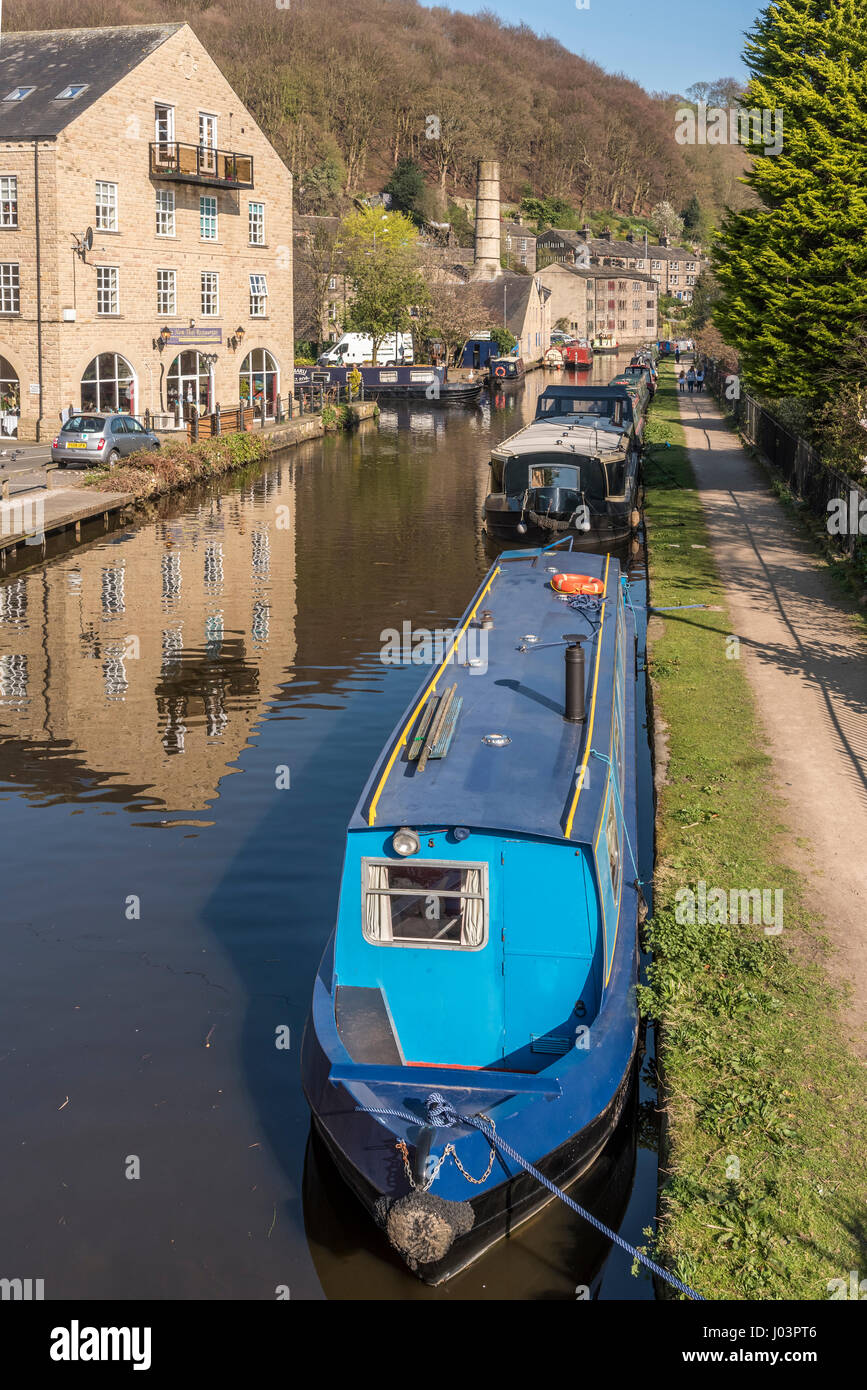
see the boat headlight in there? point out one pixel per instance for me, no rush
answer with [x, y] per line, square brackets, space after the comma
[405, 842]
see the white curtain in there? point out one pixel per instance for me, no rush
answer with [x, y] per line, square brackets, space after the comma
[472, 909]
[378, 905]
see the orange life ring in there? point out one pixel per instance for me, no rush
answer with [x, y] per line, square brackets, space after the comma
[576, 584]
[499, 371]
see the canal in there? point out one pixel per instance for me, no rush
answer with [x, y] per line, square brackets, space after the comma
[189, 707]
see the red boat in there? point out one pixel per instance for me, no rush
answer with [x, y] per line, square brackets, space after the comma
[578, 355]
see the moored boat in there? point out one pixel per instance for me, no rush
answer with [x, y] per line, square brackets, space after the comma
[578, 355]
[506, 369]
[605, 343]
[554, 358]
[485, 949]
[574, 470]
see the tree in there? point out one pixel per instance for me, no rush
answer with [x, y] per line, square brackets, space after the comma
[315, 261]
[793, 269]
[448, 312]
[691, 215]
[406, 185]
[665, 220]
[381, 261]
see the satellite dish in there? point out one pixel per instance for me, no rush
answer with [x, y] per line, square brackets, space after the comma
[88, 239]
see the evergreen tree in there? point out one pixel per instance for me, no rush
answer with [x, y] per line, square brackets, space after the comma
[406, 186]
[793, 270]
[691, 215]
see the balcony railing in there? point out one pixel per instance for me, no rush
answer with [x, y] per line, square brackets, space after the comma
[170, 159]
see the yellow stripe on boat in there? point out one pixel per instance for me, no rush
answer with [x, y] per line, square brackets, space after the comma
[371, 815]
[583, 769]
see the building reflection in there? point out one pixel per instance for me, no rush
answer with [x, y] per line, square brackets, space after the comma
[146, 672]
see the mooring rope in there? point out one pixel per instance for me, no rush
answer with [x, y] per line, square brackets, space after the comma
[442, 1115]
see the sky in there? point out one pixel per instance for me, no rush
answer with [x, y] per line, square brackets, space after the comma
[666, 45]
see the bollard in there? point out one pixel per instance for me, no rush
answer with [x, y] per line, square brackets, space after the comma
[218, 425]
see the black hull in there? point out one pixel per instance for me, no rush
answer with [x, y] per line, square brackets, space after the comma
[503, 526]
[450, 394]
[503, 1209]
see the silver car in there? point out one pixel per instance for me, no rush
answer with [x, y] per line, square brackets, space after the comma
[90, 439]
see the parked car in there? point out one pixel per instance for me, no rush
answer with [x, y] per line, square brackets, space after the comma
[89, 439]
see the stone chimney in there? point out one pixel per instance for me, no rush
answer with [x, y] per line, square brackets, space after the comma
[665, 241]
[606, 233]
[630, 237]
[586, 233]
[486, 262]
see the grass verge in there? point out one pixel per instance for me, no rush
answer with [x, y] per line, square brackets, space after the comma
[763, 1160]
[179, 465]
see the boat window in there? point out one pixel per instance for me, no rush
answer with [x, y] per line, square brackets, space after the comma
[521, 474]
[425, 904]
[612, 836]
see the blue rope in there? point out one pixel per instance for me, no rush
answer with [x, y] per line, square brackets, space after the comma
[442, 1115]
[603, 757]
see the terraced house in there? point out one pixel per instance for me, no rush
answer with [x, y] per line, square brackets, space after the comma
[145, 232]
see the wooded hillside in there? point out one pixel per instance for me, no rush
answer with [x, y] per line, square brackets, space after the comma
[344, 90]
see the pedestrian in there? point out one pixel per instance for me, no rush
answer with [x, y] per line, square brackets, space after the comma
[677, 355]
[690, 380]
[699, 379]
[681, 381]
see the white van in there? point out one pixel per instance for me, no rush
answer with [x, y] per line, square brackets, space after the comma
[354, 349]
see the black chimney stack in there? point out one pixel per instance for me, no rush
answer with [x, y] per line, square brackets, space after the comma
[574, 678]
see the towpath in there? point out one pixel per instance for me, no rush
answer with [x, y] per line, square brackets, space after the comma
[807, 664]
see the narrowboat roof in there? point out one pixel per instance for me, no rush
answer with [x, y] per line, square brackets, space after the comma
[583, 393]
[569, 435]
[534, 784]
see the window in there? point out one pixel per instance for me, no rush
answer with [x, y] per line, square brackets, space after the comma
[165, 214]
[425, 904]
[690, 279]
[188, 382]
[651, 303]
[651, 323]
[208, 218]
[612, 838]
[106, 206]
[8, 201]
[639, 265]
[332, 283]
[108, 383]
[18, 93]
[258, 296]
[106, 289]
[10, 290]
[167, 285]
[675, 265]
[207, 143]
[257, 224]
[673, 279]
[656, 265]
[164, 123]
[259, 379]
[71, 92]
[210, 293]
[690, 265]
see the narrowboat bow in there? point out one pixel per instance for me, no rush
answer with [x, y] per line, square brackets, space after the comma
[486, 938]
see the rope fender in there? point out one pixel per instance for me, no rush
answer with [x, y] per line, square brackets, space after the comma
[442, 1115]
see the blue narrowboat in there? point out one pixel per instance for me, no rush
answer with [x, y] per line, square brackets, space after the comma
[486, 944]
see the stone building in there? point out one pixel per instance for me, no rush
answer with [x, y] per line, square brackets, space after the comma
[518, 246]
[145, 231]
[593, 300]
[675, 269]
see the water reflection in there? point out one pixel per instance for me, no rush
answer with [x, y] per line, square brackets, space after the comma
[173, 888]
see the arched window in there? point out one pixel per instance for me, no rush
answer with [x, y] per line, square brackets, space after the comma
[10, 399]
[189, 381]
[259, 373]
[108, 383]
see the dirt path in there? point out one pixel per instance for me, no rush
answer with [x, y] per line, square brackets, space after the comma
[808, 668]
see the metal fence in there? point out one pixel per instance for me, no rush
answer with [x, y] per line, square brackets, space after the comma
[805, 473]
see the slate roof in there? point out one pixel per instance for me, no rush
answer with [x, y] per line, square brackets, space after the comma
[51, 59]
